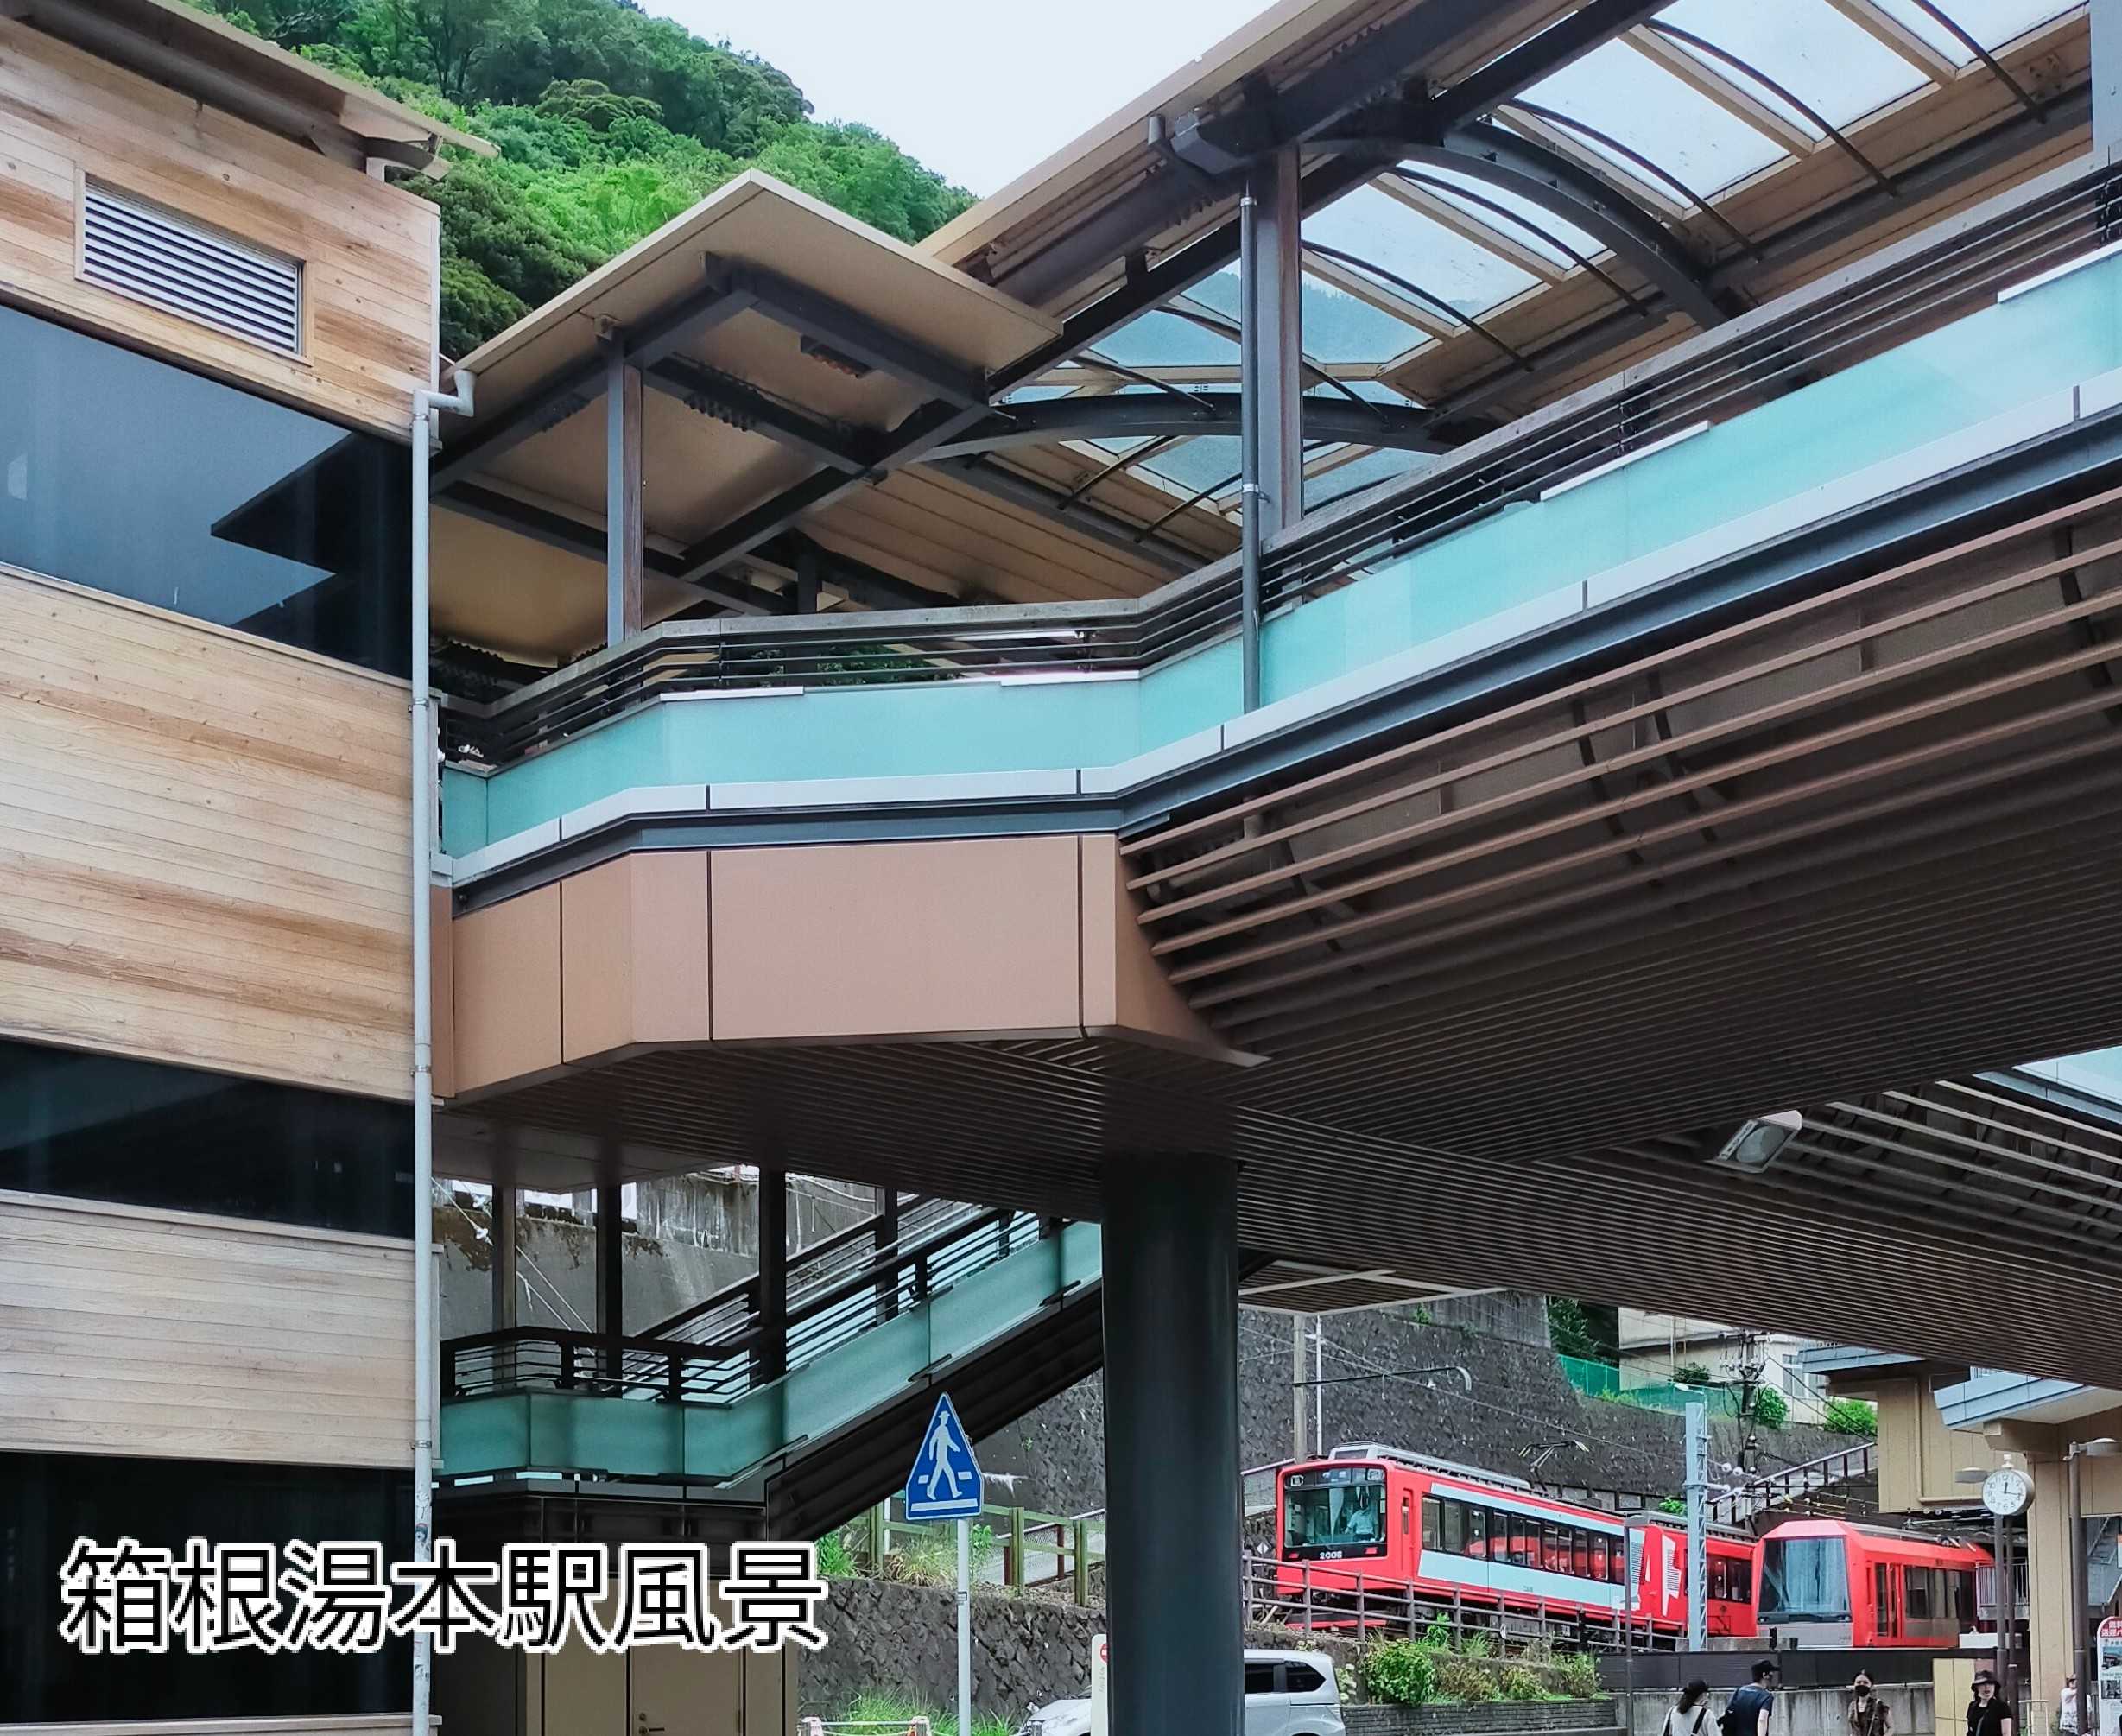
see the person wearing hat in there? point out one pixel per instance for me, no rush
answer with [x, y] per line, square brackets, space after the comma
[2067, 1710]
[1868, 1716]
[1987, 1714]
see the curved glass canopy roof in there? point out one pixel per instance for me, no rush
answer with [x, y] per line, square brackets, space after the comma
[1703, 121]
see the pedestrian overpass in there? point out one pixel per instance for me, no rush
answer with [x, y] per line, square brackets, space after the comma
[860, 760]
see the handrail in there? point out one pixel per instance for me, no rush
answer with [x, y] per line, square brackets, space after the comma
[1845, 1465]
[909, 1205]
[724, 1368]
[1894, 294]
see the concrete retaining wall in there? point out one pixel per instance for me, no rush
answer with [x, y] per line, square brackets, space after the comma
[1494, 1718]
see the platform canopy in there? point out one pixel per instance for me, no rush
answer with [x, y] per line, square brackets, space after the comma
[1499, 204]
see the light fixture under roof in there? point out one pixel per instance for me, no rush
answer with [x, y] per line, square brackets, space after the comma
[1757, 1143]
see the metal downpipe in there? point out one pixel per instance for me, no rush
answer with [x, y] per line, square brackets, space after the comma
[425, 404]
[1248, 444]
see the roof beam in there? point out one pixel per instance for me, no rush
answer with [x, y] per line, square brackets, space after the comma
[1116, 533]
[1485, 152]
[564, 395]
[572, 536]
[846, 337]
[1144, 416]
[711, 392]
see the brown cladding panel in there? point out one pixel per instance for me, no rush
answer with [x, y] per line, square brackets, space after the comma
[1126, 992]
[368, 250]
[634, 952]
[882, 940]
[204, 840]
[507, 967]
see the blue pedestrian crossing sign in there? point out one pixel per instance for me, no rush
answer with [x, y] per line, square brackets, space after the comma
[945, 1482]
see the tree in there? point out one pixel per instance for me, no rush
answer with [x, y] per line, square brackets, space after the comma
[1769, 1409]
[1852, 1416]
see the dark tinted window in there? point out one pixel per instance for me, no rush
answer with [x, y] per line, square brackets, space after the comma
[48, 1500]
[134, 477]
[104, 1127]
[1455, 1528]
[1302, 1678]
[1259, 1678]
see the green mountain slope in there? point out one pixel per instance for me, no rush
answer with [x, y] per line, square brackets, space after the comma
[609, 123]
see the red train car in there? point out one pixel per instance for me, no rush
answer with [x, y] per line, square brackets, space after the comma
[1657, 1576]
[1827, 1582]
[1377, 1519]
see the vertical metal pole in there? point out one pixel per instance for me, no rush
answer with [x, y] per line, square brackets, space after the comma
[773, 1357]
[2106, 28]
[1080, 1553]
[610, 1273]
[502, 1254]
[1296, 1386]
[624, 597]
[964, 1628]
[1698, 1541]
[2004, 1606]
[1250, 527]
[1278, 282]
[1318, 1384]
[2074, 1535]
[807, 577]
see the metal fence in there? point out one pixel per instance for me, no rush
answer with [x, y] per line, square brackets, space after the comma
[1331, 1597]
[1886, 299]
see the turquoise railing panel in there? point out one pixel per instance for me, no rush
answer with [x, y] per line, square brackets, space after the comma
[641, 1437]
[1992, 361]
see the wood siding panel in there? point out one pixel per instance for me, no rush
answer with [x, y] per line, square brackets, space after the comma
[124, 1330]
[368, 249]
[204, 838]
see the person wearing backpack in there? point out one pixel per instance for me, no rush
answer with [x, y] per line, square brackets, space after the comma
[1746, 1713]
[1691, 1714]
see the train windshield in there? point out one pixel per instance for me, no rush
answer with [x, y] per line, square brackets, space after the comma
[1342, 1508]
[1804, 1579]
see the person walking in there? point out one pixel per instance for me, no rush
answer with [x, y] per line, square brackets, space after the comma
[1868, 1716]
[2067, 1712]
[1746, 1713]
[1987, 1714]
[1692, 1713]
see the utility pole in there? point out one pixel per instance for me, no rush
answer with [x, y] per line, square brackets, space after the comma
[1752, 1364]
[1698, 1518]
[1296, 1387]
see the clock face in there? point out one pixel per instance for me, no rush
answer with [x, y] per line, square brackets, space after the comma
[2006, 1492]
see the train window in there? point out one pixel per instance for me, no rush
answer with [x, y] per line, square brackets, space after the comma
[1618, 1555]
[1407, 1513]
[1524, 1542]
[1883, 1601]
[1963, 1597]
[1916, 1582]
[1433, 1512]
[1720, 1584]
[1599, 1558]
[1581, 1555]
[1742, 1582]
[1477, 1522]
[1454, 1529]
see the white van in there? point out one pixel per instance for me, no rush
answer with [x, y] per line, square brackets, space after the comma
[1287, 1693]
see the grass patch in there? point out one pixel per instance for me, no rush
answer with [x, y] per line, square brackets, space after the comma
[896, 1708]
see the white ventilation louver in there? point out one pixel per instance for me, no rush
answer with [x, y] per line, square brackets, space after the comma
[148, 254]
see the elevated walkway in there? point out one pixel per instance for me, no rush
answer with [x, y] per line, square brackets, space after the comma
[819, 1417]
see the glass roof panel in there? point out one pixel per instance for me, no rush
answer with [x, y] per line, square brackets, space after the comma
[1338, 327]
[1631, 98]
[1379, 229]
[1463, 192]
[1360, 472]
[1165, 340]
[1991, 23]
[1195, 465]
[1806, 46]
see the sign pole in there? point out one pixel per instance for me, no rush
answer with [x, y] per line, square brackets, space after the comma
[965, 1627]
[1698, 1550]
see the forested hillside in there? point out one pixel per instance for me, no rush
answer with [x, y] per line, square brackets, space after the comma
[609, 123]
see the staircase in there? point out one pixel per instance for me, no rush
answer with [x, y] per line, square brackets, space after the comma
[818, 1400]
[1820, 1485]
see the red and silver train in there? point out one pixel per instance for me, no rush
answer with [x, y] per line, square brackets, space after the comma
[1370, 1520]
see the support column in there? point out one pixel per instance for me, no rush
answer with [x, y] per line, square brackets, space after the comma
[502, 1255]
[610, 1245]
[2107, 27]
[1277, 187]
[773, 1354]
[1173, 1542]
[625, 604]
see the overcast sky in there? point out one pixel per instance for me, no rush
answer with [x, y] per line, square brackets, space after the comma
[979, 90]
